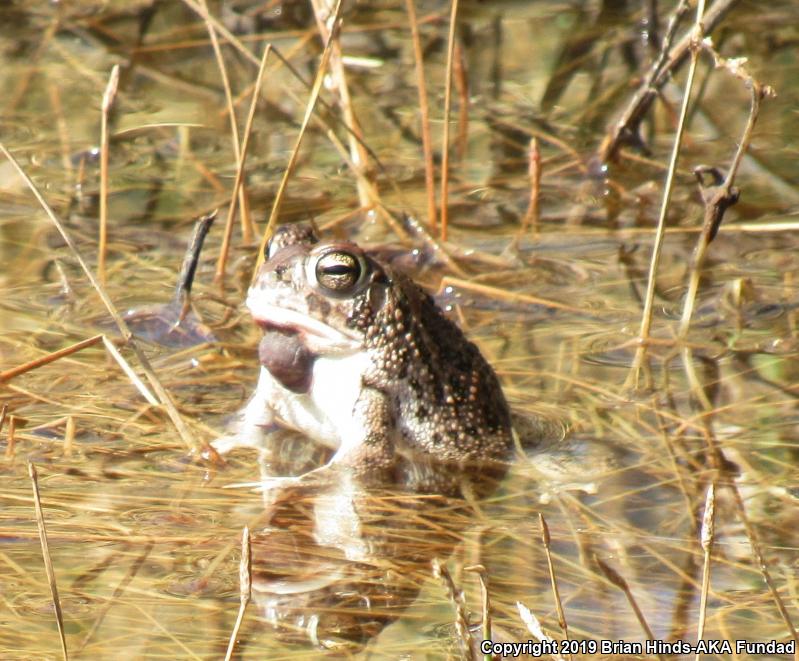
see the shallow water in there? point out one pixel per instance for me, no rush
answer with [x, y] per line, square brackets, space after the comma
[144, 540]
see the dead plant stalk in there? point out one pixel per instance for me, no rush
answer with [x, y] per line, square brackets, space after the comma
[462, 85]
[545, 539]
[108, 101]
[309, 110]
[718, 461]
[12, 432]
[219, 276]
[69, 435]
[365, 186]
[453, 22]
[329, 24]
[482, 575]
[424, 112]
[707, 534]
[49, 358]
[48, 562]
[461, 615]
[531, 216]
[250, 57]
[247, 229]
[502, 294]
[245, 589]
[646, 315]
[124, 365]
[660, 72]
[618, 580]
[720, 196]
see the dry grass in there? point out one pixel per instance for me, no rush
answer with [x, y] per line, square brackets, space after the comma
[143, 539]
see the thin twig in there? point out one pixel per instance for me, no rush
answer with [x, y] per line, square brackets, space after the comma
[249, 56]
[190, 260]
[721, 194]
[618, 580]
[329, 25]
[545, 539]
[128, 370]
[707, 535]
[219, 276]
[247, 229]
[531, 216]
[3, 413]
[424, 112]
[496, 293]
[163, 395]
[646, 315]
[661, 72]
[108, 100]
[12, 431]
[69, 435]
[628, 128]
[365, 186]
[309, 109]
[754, 542]
[718, 462]
[461, 616]
[453, 22]
[245, 589]
[48, 562]
[482, 575]
[49, 358]
[462, 85]
[61, 125]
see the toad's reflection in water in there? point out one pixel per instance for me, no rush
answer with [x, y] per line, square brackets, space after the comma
[336, 562]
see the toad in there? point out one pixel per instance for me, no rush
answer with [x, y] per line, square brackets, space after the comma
[359, 358]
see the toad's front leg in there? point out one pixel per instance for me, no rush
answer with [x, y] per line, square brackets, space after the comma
[367, 445]
[368, 438]
[252, 423]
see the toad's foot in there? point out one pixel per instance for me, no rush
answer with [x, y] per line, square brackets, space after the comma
[318, 477]
[251, 437]
[249, 429]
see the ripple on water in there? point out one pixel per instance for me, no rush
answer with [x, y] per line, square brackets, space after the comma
[607, 350]
[38, 605]
[161, 519]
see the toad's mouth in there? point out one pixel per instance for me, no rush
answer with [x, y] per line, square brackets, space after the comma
[315, 335]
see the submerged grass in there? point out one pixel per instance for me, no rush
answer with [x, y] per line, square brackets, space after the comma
[143, 538]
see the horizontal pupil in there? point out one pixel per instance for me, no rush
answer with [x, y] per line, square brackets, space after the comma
[338, 269]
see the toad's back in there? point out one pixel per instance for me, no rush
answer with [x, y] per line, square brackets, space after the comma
[448, 399]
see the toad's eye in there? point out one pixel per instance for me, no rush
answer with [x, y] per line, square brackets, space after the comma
[339, 272]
